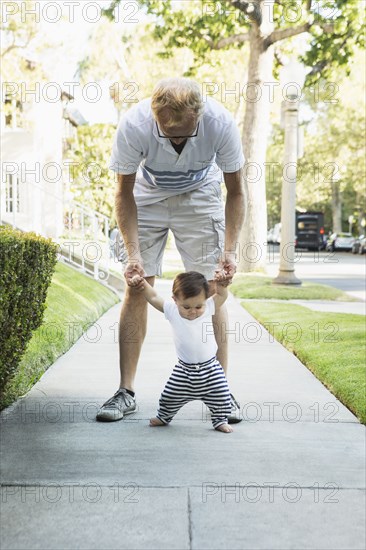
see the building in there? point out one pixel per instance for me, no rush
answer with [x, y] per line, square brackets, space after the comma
[34, 141]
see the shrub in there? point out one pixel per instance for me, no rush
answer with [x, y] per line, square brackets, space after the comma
[27, 263]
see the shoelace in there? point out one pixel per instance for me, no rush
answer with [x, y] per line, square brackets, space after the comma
[234, 403]
[113, 401]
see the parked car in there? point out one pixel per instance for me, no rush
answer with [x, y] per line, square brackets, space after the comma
[340, 241]
[359, 246]
[270, 235]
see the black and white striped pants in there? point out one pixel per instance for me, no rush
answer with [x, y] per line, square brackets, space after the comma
[203, 381]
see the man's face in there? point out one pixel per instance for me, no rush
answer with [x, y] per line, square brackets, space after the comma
[191, 308]
[186, 128]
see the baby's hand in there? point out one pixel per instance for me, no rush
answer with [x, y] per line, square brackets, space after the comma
[136, 280]
[220, 275]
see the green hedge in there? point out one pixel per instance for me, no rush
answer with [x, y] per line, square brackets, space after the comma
[27, 263]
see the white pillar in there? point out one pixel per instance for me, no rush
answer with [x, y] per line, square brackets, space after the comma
[286, 273]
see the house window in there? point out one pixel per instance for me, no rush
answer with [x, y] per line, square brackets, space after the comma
[12, 199]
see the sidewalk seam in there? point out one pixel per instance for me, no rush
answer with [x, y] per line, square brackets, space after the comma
[189, 517]
[237, 484]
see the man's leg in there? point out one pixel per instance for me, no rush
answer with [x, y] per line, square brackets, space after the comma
[132, 331]
[220, 323]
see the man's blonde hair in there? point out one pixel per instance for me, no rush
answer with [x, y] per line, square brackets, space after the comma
[179, 98]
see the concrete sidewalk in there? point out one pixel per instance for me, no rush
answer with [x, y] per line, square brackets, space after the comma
[291, 476]
[327, 306]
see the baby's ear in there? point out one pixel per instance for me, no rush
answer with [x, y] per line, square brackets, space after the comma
[174, 298]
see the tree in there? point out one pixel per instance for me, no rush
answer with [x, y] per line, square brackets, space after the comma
[31, 54]
[332, 28]
[333, 169]
[91, 182]
[331, 174]
[19, 69]
[16, 35]
[124, 59]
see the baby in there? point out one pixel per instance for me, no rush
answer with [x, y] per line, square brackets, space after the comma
[197, 374]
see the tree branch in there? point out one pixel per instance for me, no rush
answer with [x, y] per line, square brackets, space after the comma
[9, 49]
[251, 9]
[13, 45]
[240, 38]
[281, 34]
[278, 58]
[318, 68]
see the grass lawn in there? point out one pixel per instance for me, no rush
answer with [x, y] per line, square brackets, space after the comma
[261, 287]
[73, 302]
[170, 274]
[331, 345]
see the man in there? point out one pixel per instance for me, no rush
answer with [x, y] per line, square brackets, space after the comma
[169, 153]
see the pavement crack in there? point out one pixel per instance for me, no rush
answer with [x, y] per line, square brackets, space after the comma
[189, 518]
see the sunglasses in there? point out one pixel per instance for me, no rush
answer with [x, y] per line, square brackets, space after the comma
[177, 137]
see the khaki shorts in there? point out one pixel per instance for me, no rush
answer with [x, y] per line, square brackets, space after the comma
[197, 222]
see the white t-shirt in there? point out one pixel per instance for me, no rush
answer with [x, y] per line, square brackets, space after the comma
[161, 171]
[194, 340]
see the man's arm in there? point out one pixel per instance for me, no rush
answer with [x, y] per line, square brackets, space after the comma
[234, 218]
[149, 292]
[126, 214]
[234, 208]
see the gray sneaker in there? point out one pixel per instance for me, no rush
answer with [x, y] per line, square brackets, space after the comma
[117, 407]
[235, 416]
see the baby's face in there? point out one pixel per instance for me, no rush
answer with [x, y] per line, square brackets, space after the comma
[191, 308]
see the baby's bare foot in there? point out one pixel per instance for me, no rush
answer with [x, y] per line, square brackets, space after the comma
[224, 428]
[156, 422]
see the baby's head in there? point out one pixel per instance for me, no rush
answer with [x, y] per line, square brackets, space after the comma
[190, 292]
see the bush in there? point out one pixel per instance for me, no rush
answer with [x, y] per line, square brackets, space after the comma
[27, 262]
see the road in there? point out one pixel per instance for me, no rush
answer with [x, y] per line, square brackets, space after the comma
[342, 270]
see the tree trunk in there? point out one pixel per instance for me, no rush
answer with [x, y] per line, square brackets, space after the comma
[336, 206]
[253, 237]
[361, 213]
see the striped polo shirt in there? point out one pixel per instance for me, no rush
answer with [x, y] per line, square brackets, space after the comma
[160, 171]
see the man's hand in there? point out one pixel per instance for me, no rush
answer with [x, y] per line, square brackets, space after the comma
[134, 274]
[221, 293]
[227, 268]
[137, 280]
[220, 276]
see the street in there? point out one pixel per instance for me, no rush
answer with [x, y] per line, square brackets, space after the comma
[342, 270]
